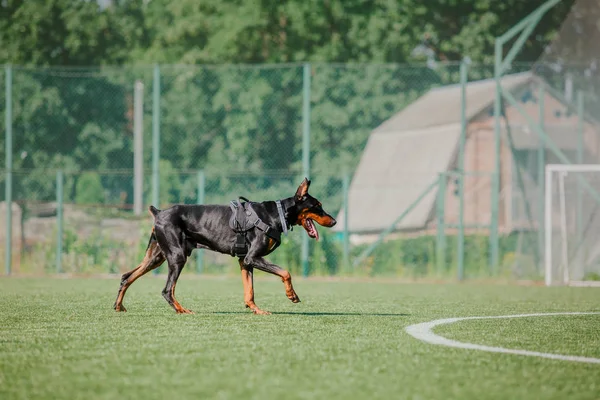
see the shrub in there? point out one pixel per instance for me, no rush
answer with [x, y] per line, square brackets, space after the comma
[89, 189]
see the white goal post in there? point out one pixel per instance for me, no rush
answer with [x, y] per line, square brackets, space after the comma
[572, 225]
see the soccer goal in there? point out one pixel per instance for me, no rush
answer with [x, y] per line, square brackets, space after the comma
[572, 225]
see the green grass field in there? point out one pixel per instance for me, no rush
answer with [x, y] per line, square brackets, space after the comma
[60, 339]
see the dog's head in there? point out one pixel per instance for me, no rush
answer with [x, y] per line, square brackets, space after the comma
[309, 209]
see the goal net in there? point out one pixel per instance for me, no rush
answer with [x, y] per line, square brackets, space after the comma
[572, 224]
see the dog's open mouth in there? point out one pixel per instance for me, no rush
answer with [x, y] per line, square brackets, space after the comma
[310, 228]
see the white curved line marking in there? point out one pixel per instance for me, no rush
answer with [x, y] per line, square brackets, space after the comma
[424, 332]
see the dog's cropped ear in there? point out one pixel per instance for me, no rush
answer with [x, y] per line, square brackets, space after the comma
[302, 189]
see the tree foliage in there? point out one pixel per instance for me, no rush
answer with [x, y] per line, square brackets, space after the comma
[241, 123]
[89, 189]
[204, 31]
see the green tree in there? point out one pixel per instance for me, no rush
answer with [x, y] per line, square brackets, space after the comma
[243, 120]
[203, 31]
[89, 189]
[66, 32]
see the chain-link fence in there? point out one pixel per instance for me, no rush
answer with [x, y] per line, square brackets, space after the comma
[377, 135]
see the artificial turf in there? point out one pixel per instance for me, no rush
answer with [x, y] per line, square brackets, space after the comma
[60, 339]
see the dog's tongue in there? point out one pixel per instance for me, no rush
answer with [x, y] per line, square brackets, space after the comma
[312, 230]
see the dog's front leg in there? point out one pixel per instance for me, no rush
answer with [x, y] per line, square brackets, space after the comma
[248, 282]
[263, 265]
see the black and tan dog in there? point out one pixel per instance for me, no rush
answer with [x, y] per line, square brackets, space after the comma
[248, 231]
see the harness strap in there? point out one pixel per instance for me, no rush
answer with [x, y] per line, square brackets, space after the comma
[282, 217]
[245, 218]
[240, 248]
[262, 226]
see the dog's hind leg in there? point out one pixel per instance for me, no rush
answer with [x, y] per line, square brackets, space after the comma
[153, 259]
[248, 282]
[176, 249]
[263, 265]
[176, 264]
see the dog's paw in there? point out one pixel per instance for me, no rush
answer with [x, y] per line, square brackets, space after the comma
[185, 311]
[258, 311]
[120, 308]
[293, 297]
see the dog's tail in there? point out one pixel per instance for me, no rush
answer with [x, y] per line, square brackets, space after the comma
[153, 210]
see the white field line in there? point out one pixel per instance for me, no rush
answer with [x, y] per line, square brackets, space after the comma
[424, 332]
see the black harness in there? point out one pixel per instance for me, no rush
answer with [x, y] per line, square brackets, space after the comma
[244, 218]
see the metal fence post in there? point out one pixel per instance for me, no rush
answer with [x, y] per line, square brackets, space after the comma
[526, 27]
[200, 200]
[495, 187]
[9, 166]
[59, 220]
[156, 137]
[461, 171]
[440, 242]
[541, 171]
[156, 141]
[346, 237]
[305, 151]
[138, 144]
[580, 159]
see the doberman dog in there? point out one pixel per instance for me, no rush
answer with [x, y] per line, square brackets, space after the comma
[181, 228]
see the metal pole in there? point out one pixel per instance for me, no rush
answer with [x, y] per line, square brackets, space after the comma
[305, 151]
[9, 166]
[527, 25]
[138, 144]
[156, 141]
[156, 137]
[563, 226]
[532, 21]
[200, 200]
[579, 198]
[59, 220]
[568, 87]
[441, 229]
[541, 169]
[580, 159]
[346, 237]
[461, 171]
[533, 16]
[548, 225]
[496, 175]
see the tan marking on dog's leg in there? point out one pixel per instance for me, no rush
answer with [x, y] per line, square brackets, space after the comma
[286, 278]
[248, 282]
[179, 309]
[152, 260]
